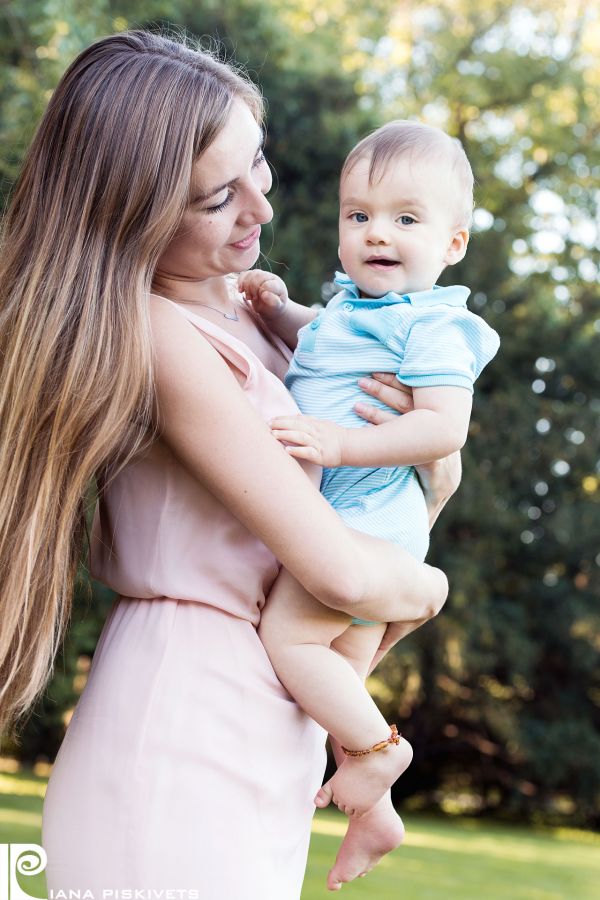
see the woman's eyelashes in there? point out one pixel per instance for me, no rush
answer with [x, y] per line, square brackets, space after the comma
[220, 206]
[261, 158]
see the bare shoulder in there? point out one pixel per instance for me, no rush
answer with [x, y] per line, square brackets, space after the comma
[184, 361]
[172, 332]
[164, 317]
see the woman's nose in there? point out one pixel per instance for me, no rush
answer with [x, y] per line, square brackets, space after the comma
[259, 209]
[262, 211]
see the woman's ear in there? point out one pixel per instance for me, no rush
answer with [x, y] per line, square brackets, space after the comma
[457, 247]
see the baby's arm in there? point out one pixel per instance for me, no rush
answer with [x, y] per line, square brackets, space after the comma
[435, 428]
[267, 295]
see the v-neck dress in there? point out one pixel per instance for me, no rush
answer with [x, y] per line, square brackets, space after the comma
[186, 765]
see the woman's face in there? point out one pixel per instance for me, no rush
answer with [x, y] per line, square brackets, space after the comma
[220, 230]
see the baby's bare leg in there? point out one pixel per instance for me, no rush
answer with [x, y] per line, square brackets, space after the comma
[298, 633]
[380, 830]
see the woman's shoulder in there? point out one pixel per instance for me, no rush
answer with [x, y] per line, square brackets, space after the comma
[163, 311]
[178, 347]
[170, 326]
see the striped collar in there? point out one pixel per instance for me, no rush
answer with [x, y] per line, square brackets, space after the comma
[454, 295]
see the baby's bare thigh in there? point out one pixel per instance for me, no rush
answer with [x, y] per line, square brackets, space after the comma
[293, 616]
[358, 645]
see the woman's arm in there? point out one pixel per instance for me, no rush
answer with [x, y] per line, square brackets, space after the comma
[214, 431]
[439, 480]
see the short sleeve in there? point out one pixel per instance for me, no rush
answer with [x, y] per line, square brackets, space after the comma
[445, 345]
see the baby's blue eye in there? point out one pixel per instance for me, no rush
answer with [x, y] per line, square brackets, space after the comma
[360, 217]
[407, 220]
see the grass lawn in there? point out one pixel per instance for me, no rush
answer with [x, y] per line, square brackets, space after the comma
[441, 859]
[466, 859]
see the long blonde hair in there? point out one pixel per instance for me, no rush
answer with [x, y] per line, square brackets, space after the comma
[102, 191]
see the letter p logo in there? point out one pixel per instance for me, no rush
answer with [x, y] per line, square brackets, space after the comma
[19, 859]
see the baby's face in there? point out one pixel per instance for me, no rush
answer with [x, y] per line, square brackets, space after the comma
[399, 233]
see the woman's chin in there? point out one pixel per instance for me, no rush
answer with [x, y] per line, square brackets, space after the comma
[245, 259]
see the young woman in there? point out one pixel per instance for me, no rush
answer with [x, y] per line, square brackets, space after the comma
[127, 355]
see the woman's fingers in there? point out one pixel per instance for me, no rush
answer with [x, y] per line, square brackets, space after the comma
[373, 414]
[394, 632]
[386, 387]
[441, 476]
[391, 379]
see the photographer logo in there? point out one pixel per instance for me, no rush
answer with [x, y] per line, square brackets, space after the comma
[19, 859]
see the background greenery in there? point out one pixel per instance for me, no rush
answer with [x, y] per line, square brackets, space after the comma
[500, 695]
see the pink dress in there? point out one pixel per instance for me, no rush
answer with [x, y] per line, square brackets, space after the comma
[186, 764]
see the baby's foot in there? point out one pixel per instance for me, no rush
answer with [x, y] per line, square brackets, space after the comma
[361, 781]
[368, 838]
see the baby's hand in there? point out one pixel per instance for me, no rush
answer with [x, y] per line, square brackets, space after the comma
[265, 293]
[317, 440]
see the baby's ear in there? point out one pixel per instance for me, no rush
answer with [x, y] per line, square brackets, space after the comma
[457, 247]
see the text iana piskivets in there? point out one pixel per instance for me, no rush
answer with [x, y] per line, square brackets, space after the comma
[127, 894]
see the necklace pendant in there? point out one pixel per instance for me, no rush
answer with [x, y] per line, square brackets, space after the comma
[234, 317]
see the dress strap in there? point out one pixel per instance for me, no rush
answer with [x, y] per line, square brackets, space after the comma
[223, 342]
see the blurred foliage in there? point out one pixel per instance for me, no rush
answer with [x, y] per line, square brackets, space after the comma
[501, 694]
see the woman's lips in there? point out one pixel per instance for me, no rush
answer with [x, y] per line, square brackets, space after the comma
[247, 241]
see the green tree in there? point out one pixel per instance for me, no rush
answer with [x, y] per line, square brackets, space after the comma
[37, 41]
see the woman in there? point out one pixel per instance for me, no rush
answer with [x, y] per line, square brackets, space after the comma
[127, 355]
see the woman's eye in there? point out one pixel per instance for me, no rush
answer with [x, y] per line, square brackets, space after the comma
[261, 158]
[219, 206]
[360, 217]
[407, 220]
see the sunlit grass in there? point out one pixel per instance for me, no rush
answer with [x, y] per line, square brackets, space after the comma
[466, 859]
[441, 859]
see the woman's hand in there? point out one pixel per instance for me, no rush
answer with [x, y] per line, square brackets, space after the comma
[386, 387]
[394, 632]
[439, 479]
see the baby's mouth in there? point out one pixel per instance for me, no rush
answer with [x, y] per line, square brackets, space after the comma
[382, 262]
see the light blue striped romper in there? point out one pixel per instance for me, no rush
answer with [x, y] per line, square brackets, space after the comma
[427, 338]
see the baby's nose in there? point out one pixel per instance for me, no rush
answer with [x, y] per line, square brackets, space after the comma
[377, 233]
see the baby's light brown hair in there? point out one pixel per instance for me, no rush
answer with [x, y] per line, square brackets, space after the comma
[403, 137]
